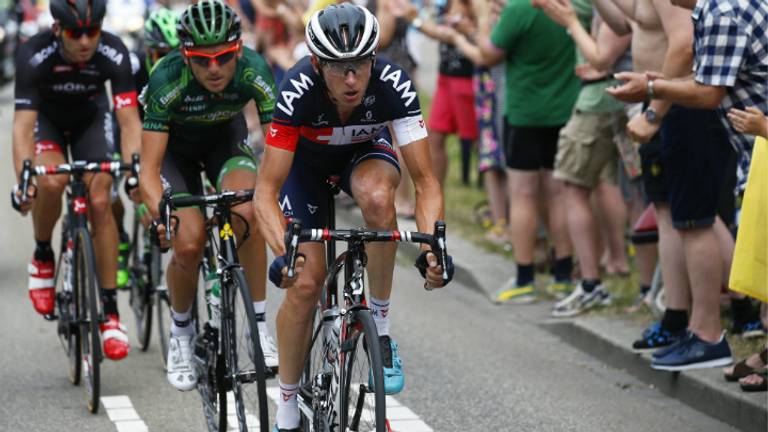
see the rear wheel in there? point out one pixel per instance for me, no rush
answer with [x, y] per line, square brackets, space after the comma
[89, 307]
[362, 392]
[66, 304]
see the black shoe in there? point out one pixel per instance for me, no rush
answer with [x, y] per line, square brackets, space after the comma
[655, 337]
[286, 430]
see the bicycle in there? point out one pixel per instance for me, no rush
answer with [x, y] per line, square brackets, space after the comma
[144, 266]
[220, 350]
[78, 303]
[340, 370]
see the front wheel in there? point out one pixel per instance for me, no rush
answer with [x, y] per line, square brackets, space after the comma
[363, 401]
[142, 285]
[89, 305]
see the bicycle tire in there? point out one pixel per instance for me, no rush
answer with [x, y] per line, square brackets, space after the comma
[66, 304]
[309, 388]
[162, 302]
[141, 286]
[86, 286]
[356, 412]
[242, 342]
[213, 391]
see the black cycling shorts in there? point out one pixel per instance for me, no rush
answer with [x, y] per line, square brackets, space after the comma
[305, 194]
[90, 139]
[216, 153]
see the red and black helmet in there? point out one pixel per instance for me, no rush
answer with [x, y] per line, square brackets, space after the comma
[78, 13]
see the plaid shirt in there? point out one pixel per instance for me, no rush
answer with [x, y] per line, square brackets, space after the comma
[731, 49]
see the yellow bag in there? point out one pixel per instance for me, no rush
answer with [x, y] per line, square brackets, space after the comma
[749, 272]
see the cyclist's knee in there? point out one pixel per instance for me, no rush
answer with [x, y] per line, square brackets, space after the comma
[100, 204]
[304, 294]
[51, 185]
[187, 252]
[246, 212]
[377, 204]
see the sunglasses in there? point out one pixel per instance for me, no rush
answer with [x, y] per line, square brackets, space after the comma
[220, 58]
[77, 33]
[342, 68]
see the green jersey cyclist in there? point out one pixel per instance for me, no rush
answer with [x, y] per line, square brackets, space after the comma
[194, 121]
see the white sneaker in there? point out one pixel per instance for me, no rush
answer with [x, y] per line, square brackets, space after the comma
[181, 374]
[269, 349]
[580, 301]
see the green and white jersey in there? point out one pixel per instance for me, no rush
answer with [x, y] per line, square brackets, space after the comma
[175, 99]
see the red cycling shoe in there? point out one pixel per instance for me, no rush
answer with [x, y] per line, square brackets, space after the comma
[42, 285]
[115, 338]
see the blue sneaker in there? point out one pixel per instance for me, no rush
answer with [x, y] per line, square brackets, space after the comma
[394, 380]
[749, 329]
[655, 337]
[694, 353]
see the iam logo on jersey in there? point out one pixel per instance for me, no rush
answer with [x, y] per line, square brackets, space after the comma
[80, 205]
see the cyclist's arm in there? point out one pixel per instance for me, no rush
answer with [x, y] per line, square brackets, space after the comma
[153, 145]
[23, 137]
[273, 171]
[130, 131]
[429, 194]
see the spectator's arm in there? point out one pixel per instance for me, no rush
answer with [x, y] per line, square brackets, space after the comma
[387, 24]
[689, 93]
[678, 27]
[616, 14]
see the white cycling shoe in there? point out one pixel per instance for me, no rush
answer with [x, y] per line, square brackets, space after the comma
[181, 373]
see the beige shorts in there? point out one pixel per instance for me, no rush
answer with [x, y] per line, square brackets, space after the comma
[586, 150]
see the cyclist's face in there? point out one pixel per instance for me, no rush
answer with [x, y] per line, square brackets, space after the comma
[347, 81]
[214, 73]
[79, 45]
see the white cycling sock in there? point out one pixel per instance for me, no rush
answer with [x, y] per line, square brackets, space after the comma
[181, 323]
[288, 406]
[260, 307]
[380, 311]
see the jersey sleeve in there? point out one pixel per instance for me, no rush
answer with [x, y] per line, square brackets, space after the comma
[260, 80]
[117, 56]
[286, 120]
[407, 120]
[158, 95]
[26, 92]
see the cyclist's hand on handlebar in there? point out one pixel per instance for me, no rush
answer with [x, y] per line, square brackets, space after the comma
[157, 231]
[432, 272]
[16, 195]
[278, 271]
[131, 187]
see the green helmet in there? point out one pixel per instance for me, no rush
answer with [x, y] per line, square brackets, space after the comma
[208, 22]
[160, 29]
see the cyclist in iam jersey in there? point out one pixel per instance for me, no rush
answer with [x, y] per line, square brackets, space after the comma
[330, 109]
[61, 106]
[193, 121]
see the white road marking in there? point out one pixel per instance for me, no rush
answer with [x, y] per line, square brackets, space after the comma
[401, 418]
[121, 412]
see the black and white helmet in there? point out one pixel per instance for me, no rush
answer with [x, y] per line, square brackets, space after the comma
[342, 32]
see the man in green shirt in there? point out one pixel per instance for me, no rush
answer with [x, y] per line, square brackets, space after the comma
[541, 89]
[194, 121]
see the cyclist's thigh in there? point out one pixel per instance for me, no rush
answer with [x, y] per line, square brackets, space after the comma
[231, 157]
[304, 195]
[374, 167]
[50, 149]
[181, 176]
[95, 140]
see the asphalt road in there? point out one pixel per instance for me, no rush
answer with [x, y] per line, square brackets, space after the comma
[470, 365]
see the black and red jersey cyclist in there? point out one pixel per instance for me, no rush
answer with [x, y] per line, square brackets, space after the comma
[61, 106]
[330, 110]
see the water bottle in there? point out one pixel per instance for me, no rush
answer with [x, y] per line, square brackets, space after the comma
[213, 298]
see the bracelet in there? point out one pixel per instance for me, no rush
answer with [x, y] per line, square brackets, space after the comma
[649, 91]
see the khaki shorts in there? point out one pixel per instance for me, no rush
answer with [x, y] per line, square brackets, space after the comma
[586, 150]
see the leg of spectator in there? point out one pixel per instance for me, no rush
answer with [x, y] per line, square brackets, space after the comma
[673, 268]
[646, 255]
[523, 217]
[702, 256]
[439, 155]
[556, 212]
[614, 210]
[496, 187]
[583, 230]
[727, 243]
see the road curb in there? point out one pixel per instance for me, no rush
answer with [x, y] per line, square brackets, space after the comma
[703, 390]
[411, 251]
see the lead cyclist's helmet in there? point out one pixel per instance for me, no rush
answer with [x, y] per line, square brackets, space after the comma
[208, 22]
[78, 13]
[160, 30]
[342, 32]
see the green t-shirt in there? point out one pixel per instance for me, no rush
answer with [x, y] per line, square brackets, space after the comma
[174, 97]
[592, 97]
[541, 86]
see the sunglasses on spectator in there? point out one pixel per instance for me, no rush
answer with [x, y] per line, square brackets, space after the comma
[220, 58]
[77, 33]
[342, 68]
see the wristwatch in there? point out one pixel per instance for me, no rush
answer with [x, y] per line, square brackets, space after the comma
[417, 23]
[651, 116]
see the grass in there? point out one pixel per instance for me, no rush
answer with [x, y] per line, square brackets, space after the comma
[460, 203]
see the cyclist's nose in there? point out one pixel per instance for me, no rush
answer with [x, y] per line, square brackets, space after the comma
[350, 78]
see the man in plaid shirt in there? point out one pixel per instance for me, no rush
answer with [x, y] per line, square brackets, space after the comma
[730, 67]
[730, 70]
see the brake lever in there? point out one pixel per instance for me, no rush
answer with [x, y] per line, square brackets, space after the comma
[440, 247]
[292, 245]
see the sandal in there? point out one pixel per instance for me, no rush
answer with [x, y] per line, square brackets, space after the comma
[741, 369]
[759, 386]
